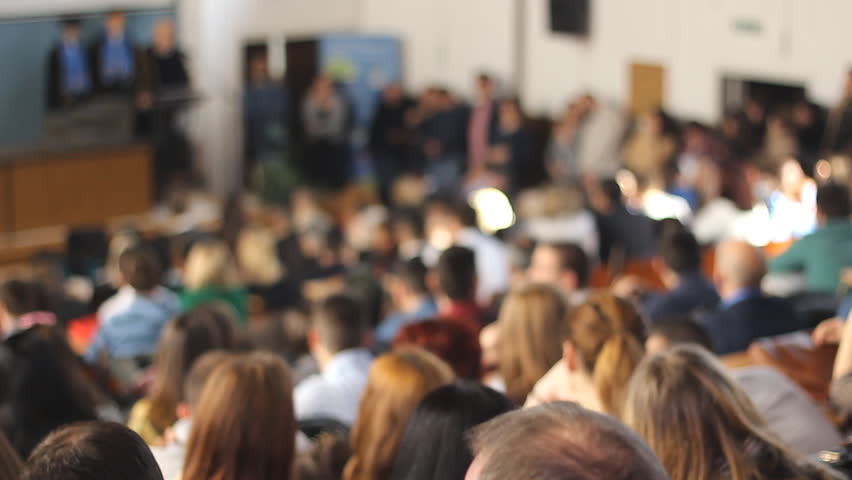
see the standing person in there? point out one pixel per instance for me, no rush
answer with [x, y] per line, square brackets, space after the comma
[482, 125]
[69, 70]
[389, 137]
[244, 427]
[561, 155]
[398, 381]
[337, 341]
[650, 150]
[600, 136]
[114, 58]
[265, 116]
[325, 118]
[164, 66]
[510, 160]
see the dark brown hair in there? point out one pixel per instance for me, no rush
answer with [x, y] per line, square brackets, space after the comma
[558, 441]
[140, 268]
[453, 343]
[92, 451]
[244, 427]
[339, 322]
[184, 339]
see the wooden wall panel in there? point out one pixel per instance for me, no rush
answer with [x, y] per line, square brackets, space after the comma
[80, 188]
[5, 200]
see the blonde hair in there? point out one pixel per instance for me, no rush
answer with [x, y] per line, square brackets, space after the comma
[210, 263]
[244, 427]
[397, 383]
[700, 423]
[257, 256]
[608, 334]
[531, 326]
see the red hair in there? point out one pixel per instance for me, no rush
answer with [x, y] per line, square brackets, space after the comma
[453, 343]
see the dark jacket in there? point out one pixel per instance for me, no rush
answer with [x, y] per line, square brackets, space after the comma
[693, 294]
[56, 97]
[734, 327]
[96, 54]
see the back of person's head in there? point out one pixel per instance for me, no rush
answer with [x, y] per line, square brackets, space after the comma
[833, 201]
[325, 460]
[184, 339]
[453, 343]
[607, 335]
[532, 324]
[457, 273]
[412, 274]
[435, 441]
[670, 332]
[612, 190]
[244, 427]
[680, 252]
[718, 429]
[42, 387]
[140, 268]
[257, 256]
[396, 384]
[92, 451]
[19, 297]
[210, 264]
[201, 370]
[739, 265]
[340, 324]
[560, 441]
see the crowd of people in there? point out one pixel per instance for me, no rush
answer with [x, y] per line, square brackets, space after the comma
[358, 336]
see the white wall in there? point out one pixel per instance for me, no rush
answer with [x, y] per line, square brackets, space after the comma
[446, 41]
[10, 8]
[801, 41]
[213, 33]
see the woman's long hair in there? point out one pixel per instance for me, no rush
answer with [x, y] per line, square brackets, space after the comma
[244, 427]
[184, 339]
[608, 334]
[210, 263]
[397, 383]
[700, 423]
[532, 325]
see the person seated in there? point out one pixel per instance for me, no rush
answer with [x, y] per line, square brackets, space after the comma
[690, 291]
[450, 341]
[170, 455]
[841, 380]
[789, 412]
[262, 271]
[560, 441]
[211, 275]
[509, 164]
[822, 255]
[184, 339]
[457, 280]
[325, 459]
[621, 230]
[86, 451]
[244, 426]
[23, 305]
[337, 341]
[132, 320]
[602, 343]
[398, 381]
[563, 265]
[556, 215]
[454, 222]
[792, 205]
[409, 295]
[434, 444]
[746, 313]
[720, 431]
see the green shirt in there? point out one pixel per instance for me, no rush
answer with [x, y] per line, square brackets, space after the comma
[821, 256]
[237, 298]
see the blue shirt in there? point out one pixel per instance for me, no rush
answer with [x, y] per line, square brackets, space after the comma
[336, 392]
[395, 322]
[75, 70]
[130, 323]
[117, 61]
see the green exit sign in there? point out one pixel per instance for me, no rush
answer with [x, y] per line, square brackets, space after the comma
[747, 26]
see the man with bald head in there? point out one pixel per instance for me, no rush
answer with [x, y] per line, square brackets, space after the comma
[746, 313]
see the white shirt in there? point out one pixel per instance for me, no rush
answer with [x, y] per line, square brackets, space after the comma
[336, 392]
[716, 221]
[492, 263]
[578, 228]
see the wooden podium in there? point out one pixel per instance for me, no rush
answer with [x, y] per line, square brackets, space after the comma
[83, 186]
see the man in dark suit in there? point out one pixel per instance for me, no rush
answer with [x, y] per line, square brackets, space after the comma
[691, 291]
[69, 72]
[746, 313]
[114, 58]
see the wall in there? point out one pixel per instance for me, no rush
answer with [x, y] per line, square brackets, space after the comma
[10, 8]
[213, 33]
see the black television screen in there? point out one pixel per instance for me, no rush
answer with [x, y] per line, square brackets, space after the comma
[569, 16]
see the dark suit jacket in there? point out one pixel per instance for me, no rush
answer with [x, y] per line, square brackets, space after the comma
[733, 328]
[693, 294]
[96, 54]
[56, 98]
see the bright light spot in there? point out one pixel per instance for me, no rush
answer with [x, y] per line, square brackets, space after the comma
[493, 209]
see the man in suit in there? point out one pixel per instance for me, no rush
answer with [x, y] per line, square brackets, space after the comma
[69, 73]
[114, 58]
[746, 313]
